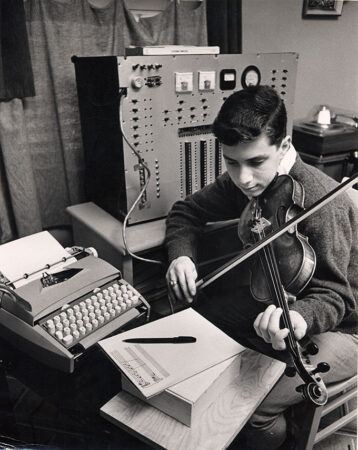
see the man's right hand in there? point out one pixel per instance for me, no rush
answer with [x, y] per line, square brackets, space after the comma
[181, 277]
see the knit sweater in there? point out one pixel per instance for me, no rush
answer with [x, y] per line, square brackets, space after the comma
[329, 301]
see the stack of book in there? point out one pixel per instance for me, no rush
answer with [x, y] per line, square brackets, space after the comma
[181, 380]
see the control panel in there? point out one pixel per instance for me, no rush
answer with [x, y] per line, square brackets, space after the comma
[167, 111]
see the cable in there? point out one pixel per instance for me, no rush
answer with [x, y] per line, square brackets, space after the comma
[142, 164]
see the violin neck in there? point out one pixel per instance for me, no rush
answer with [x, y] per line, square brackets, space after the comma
[278, 295]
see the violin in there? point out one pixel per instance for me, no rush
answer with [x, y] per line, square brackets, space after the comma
[281, 270]
[285, 215]
[293, 255]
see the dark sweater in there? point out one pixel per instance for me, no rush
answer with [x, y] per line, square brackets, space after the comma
[329, 302]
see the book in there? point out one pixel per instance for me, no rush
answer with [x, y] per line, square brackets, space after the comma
[186, 401]
[172, 50]
[152, 368]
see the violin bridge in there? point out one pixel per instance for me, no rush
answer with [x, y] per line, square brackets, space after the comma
[260, 226]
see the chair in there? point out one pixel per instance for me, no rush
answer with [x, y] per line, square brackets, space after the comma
[339, 395]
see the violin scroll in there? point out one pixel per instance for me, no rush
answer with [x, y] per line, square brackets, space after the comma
[315, 392]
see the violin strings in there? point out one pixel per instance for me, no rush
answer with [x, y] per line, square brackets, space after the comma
[276, 286]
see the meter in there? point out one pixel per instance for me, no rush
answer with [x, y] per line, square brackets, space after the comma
[250, 77]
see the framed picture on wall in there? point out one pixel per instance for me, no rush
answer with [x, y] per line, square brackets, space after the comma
[322, 7]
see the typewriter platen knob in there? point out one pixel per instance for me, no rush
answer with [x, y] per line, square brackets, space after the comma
[91, 251]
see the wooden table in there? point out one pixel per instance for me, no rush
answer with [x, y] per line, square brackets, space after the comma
[220, 423]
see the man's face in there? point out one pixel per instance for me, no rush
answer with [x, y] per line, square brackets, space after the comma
[253, 165]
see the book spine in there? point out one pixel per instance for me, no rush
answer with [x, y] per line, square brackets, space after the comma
[165, 402]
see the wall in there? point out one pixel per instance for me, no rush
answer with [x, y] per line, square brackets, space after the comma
[328, 49]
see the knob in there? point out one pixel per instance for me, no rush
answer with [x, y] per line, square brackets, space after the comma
[311, 349]
[290, 371]
[322, 367]
[137, 82]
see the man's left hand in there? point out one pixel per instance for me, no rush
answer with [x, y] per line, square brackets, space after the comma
[267, 326]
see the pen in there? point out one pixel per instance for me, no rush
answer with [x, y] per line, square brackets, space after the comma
[162, 340]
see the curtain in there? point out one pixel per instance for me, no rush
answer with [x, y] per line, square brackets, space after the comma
[224, 25]
[16, 79]
[40, 136]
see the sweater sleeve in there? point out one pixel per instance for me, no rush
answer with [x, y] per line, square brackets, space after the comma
[329, 297]
[218, 201]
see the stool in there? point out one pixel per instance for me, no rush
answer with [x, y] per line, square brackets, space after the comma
[338, 396]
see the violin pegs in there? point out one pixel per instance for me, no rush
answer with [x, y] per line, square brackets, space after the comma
[322, 367]
[290, 371]
[311, 349]
[308, 347]
[300, 388]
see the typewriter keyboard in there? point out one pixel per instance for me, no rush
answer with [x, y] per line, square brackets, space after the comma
[88, 313]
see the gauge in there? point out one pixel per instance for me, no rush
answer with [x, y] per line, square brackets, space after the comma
[250, 77]
[227, 79]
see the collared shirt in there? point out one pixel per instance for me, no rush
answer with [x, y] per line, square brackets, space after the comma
[287, 161]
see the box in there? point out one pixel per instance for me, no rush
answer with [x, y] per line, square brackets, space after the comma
[187, 400]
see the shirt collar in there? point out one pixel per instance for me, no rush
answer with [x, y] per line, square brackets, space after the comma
[287, 161]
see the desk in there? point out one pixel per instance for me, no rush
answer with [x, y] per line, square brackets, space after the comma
[94, 227]
[220, 423]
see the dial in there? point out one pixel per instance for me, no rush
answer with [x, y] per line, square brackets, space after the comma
[250, 77]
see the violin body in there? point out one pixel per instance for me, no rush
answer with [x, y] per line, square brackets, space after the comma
[296, 259]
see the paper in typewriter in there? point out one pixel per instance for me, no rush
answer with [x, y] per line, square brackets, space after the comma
[154, 367]
[30, 254]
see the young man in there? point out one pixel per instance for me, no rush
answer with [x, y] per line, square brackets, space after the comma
[251, 126]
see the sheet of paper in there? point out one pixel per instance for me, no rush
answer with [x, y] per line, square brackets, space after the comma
[29, 254]
[154, 367]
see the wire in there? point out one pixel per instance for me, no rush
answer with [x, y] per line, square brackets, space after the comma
[143, 165]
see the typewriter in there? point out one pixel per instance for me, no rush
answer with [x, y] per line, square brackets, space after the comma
[61, 309]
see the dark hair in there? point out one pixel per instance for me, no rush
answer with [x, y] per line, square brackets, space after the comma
[248, 113]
